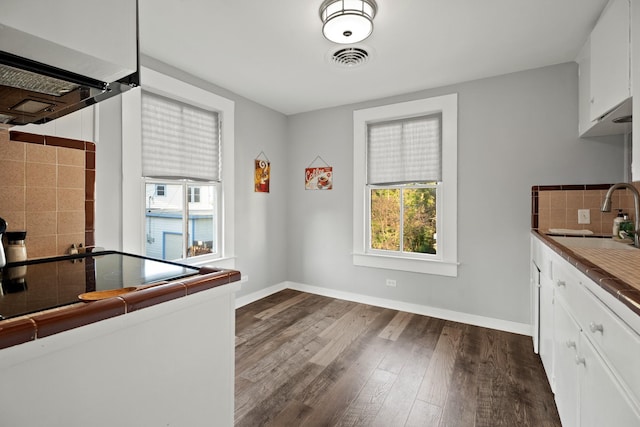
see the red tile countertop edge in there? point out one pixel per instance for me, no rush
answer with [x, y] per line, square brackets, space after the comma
[624, 292]
[49, 322]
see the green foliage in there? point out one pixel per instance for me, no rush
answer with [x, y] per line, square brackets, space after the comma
[419, 222]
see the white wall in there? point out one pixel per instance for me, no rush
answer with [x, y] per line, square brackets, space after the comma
[514, 131]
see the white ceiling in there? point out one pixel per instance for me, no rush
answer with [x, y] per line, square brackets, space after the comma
[273, 52]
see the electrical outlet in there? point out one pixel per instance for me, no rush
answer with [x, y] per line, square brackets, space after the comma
[584, 216]
[391, 283]
[244, 279]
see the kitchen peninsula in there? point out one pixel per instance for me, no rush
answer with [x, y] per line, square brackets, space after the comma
[162, 354]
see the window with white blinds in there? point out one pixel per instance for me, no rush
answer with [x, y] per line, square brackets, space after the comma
[405, 151]
[405, 186]
[179, 141]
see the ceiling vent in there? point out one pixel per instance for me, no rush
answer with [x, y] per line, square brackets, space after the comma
[350, 57]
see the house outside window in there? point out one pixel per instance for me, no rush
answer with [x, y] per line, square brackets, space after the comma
[405, 186]
[194, 194]
[180, 159]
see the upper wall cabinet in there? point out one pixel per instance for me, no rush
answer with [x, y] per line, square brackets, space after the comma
[610, 59]
[605, 72]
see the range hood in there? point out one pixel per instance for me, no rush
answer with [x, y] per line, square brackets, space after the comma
[32, 92]
[617, 121]
[50, 68]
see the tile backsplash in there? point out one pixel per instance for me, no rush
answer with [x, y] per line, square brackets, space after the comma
[48, 186]
[557, 207]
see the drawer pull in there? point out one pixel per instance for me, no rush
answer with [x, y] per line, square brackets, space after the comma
[581, 361]
[596, 327]
[561, 283]
[571, 344]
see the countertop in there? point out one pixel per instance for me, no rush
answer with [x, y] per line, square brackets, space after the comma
[43, 323]
[615, 269]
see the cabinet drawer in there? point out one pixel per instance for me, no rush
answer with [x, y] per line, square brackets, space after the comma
[613, 339]
[565, 278]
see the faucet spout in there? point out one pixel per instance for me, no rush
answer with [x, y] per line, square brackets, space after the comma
[606, 206]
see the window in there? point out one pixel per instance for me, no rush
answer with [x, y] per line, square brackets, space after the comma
[405, 186]
[194, 194]
[180, 145]
[135, 203]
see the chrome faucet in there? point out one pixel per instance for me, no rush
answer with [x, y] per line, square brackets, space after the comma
[606, 206]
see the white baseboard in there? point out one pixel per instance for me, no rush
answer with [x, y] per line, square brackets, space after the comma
[455, 316]
[262, 293]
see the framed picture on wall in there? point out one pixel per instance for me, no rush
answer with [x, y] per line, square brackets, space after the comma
[262, 174]
[318, 178]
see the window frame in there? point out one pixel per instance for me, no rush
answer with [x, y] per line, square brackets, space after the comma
[133, 232]
[445, 262]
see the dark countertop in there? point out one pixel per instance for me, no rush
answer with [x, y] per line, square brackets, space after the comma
[610, 279]
[59, 314]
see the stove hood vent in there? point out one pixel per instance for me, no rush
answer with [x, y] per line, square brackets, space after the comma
[32, 92]
[48, 71]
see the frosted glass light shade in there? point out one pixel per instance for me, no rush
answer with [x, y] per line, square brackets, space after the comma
[347, 21]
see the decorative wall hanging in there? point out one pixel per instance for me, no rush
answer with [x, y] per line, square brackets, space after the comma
[262, 173]
[318, 177]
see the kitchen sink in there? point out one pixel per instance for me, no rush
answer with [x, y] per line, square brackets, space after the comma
[592, 242]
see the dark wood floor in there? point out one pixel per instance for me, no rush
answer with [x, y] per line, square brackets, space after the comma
[307, 360]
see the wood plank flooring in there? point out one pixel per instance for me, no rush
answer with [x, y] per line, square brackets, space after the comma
[308, 360]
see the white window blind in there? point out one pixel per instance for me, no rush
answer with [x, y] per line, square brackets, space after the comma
[179, 141]
[405, 151]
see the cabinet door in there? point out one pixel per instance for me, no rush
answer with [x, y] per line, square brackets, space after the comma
[610, 59]
[602, 402]
[546, 327]
[567, 335]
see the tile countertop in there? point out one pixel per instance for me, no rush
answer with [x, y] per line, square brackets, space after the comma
[615, 270]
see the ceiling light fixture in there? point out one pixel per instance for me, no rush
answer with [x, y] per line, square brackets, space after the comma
[347, 21]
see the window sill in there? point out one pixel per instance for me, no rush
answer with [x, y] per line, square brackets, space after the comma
[440, 268]
[227, 262]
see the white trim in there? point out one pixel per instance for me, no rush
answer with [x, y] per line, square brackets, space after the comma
[426, 266]
[423, 310]
[258, 295]
[448, 214]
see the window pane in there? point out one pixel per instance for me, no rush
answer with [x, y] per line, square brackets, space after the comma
[419, 226]
[202, 219]
[385, 219]
[163, 222]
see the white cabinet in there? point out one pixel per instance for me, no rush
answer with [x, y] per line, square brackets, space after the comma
[604, 73]
[602, 399]
[542, 297]
[567, 337]
[593, 364]
[610, 59]
[546, 327]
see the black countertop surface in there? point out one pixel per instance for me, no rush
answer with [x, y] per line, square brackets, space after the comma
[37, 285]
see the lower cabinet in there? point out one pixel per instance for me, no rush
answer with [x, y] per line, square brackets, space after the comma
[602, 400]
[580, 346]
[567, 337]
[546, 346]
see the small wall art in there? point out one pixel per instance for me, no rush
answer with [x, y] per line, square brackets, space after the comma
[262, 174]
[318, 177]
